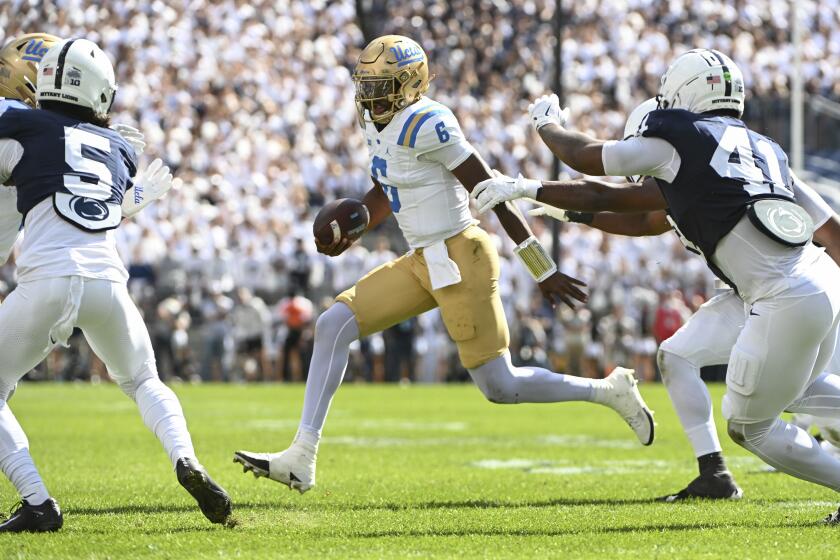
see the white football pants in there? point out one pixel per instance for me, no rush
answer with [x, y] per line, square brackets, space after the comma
[706, 339]
[36, 311]
[41, 313]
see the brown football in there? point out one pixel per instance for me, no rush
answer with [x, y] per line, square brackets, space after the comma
[345, 217]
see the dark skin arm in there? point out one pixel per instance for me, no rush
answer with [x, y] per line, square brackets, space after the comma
[579, 151]
[379, 208]
[557, 287]
[633, 225]
[592, 195]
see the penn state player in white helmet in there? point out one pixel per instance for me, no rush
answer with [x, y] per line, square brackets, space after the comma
[19, 59]
[729, 192]
[74, 182]
[708, 336]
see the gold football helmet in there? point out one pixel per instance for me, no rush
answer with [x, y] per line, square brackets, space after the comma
[19, 60]
[392, 72]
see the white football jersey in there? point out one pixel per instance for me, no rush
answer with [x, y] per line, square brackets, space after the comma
[412, 158]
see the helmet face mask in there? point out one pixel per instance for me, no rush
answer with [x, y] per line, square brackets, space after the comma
[379, 97]
[19, 60]
[391, 73]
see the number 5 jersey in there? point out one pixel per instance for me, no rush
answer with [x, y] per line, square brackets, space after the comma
[70, 180]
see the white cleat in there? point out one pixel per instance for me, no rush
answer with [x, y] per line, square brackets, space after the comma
[620, 393]
[294, 467]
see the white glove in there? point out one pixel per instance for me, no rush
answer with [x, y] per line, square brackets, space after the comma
[492, 192]
[151, 184]
[551, 211]
[546, 110]
[131, 135]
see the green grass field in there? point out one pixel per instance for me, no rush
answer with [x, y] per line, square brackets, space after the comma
[417, 471]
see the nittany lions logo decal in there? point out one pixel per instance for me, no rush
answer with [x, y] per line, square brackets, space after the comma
[89, 209]
[787, 222]
[407, 55]
[35, 50]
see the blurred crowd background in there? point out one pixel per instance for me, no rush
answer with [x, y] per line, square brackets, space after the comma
[251, 102]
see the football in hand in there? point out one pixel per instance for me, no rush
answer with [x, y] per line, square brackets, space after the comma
[345, 217]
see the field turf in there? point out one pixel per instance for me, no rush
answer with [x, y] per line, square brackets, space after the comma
[403, 471]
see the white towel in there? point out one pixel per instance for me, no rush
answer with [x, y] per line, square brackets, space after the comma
[443, 271]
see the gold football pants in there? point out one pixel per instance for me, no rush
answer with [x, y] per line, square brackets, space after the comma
[471, 310]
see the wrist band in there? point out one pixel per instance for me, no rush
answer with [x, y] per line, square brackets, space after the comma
[535, 258]
[580, 217]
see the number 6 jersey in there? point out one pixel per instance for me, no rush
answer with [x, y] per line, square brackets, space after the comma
[412, 158]
[70, 183]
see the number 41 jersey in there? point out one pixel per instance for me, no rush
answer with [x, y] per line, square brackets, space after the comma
[70, 183]
[412, 158]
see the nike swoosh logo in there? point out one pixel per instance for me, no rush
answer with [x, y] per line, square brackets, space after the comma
[292, 477]
[754, 314]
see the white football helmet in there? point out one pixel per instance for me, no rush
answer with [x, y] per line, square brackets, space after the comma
[77, 71]
[633, 126]
[634, 121]
[702, 80]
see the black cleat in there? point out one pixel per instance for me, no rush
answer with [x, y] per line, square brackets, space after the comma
[34, 519]
[212, 498]
[713, 486]
[833, 518]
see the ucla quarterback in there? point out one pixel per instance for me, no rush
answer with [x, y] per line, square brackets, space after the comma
[422, 169]
[729, 193]
[73, 177]
[707, 338]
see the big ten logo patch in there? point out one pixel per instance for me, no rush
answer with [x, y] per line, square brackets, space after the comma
[74, 76]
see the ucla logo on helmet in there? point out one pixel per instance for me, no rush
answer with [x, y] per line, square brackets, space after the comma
[35, 50]
[407, 55]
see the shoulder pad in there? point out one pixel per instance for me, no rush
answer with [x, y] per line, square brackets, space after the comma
[658, 122]
[429, 127]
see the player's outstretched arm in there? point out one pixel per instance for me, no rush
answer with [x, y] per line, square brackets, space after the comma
[577, 150]
[554, 285]
[581, 195]
[379, 208]
[633, 225]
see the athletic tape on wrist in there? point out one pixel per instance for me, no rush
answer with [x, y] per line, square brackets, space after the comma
[536, 259]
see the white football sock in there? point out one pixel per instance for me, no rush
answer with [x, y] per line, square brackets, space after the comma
[335, 330]
[503, 383]
[691, 400]
[16, 462]
[789, 449]
[162, 414]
